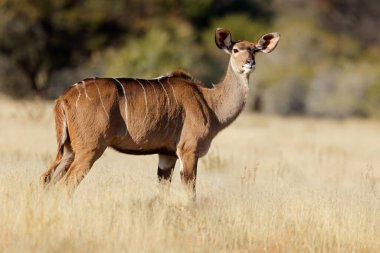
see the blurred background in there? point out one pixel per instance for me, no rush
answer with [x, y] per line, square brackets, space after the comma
[327, 63]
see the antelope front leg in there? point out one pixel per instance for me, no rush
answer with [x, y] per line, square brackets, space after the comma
[165, 167]
[189, 162]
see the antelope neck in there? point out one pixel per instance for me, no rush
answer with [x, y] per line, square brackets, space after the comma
[227, 98]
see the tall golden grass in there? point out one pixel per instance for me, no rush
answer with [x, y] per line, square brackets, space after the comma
[267, 185]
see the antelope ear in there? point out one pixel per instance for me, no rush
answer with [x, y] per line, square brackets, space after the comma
[223, 39]
[268, 42]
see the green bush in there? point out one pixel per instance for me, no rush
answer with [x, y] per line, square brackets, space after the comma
[156, 53]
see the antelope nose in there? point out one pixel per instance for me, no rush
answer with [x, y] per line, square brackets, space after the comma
[251, 61]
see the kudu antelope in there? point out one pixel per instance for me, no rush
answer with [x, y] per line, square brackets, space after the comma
[172, 116]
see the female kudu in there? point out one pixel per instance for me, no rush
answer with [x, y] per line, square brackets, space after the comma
[172, 116]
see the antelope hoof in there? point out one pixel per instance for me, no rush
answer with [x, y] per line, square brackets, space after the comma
[45, 180]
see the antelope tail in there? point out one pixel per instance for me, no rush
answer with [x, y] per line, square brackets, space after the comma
[61, 126]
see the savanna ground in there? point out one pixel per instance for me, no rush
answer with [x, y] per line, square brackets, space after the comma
[268, 184]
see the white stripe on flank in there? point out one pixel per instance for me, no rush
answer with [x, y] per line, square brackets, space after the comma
[85, 91]
[126, 104]
[176, 101]
[155, 92]
[168, 103]
[171, 86]
[146, 100]
[101, 100]
[167, 95]
[79, 94]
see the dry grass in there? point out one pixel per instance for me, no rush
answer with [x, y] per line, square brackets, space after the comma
[268, 185]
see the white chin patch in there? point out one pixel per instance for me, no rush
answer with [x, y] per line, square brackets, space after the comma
[248, 68]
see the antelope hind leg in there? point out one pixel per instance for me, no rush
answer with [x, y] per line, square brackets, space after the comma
[81, 165]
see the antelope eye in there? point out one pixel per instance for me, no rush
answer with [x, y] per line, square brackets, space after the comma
[235, 50]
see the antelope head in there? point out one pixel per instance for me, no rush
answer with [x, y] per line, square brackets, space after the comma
[243, 52]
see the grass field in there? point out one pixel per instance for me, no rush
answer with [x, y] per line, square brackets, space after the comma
[267, 185]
